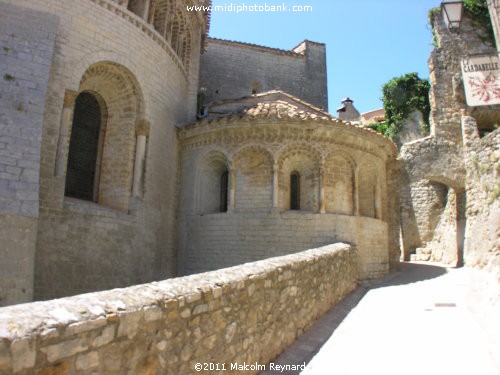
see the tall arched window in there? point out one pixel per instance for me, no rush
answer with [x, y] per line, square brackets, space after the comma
[85, 148]
[295, 191]
[224, 183]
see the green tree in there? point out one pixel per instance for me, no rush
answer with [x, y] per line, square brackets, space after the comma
[401, 96]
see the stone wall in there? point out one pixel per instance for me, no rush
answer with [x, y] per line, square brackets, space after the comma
[482, 239]
[227, 239]
[434, 193]
[244, 314]
[494, 8]
[434, 177]
[128, 234]
[230, 70]
[412, 129]
[344, 191]
[26, 49]
[447, 97]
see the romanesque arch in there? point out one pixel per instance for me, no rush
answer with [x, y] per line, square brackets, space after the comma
[305, 162]
[254, 175]
[369, 191]
[339, 183]
[117, 87]
[212, 183]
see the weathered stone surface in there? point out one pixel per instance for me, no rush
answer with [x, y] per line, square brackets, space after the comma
[106, 337]
[449, 189]
[64, 349]
[23, 354]
[87, 361]
[5, 356]
[239, 326]
[86, 246]
[59, 369]
[301, 71]
[343, 191]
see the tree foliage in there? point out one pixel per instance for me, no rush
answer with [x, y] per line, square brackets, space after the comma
[401, 96]
[478, 9]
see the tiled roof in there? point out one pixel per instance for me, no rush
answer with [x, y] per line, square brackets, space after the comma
[272, 105]
[281, 109]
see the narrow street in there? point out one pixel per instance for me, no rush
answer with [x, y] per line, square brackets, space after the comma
[425, 319]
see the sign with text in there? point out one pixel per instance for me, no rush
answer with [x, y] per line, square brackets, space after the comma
[481, 75]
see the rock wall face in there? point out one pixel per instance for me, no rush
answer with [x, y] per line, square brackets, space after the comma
[230, 70]
[447, 95]
[482, 233]
[436, 171]
[245, 314]
[494, 8]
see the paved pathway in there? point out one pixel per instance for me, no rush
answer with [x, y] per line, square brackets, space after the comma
[425, 319]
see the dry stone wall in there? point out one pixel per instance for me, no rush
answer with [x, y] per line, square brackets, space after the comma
[244, 314]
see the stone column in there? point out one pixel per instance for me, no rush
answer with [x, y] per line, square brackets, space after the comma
[356, 191]
[232, 189]
[378, 201]
[142, 128]
[322, 203]
[152, 8]
[275, 187]
[64, 132]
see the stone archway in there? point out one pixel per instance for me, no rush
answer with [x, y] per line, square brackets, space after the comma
[433, 202]
[118, 88]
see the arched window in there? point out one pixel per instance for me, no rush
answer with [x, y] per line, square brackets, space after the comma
[224, 183]
[85, 148]
[295, 191]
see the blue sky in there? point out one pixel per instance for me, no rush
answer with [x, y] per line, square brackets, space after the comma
[368, 41]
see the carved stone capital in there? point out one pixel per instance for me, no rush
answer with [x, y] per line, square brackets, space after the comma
[142, 127]
[69, 98]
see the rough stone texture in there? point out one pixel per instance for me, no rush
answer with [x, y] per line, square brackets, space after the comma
[431, 166]
[447, 95]
[482, 232]
[118, 240]
[448, 208]
[248, 313]
[26, 49]
[412, 129]
[494, 7]
[232, 70]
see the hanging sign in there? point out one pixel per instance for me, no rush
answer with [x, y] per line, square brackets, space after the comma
[481, 75]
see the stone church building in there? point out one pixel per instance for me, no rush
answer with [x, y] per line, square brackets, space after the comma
[135, 148]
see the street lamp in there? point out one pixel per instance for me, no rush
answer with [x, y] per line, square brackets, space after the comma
[452, 13]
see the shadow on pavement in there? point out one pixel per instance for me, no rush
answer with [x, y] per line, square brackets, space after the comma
[409, 273]
[308, 344]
